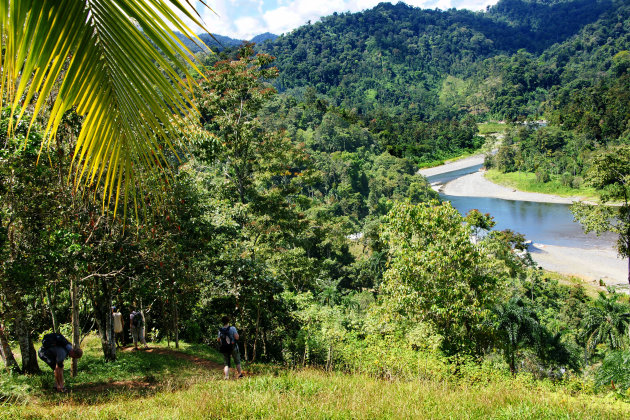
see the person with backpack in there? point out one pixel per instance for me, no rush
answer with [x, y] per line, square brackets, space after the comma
[136, 321]
[55, 349]
[228, 346]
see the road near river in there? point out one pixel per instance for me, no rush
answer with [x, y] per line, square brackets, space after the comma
[558, 243]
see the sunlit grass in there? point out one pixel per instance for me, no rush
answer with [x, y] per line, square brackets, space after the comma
[149, 385]
[318, 395]
[526, 181]
[491, 128]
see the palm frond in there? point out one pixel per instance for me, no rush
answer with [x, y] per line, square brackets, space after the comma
[111, 59]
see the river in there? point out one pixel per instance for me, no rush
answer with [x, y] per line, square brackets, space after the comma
[560, 244]
[545, 223]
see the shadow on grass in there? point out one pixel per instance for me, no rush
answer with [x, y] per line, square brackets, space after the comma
[133, 374]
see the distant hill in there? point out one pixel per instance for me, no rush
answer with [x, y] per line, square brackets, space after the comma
[220, 42]
[223, 41]
[259, 39]
[401, 58]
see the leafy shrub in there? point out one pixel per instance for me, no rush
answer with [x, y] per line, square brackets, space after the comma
[566, 179]
[542, 175]
[577, 182]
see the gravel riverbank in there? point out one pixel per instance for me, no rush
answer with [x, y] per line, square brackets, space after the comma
[477, 185]
[453, 166]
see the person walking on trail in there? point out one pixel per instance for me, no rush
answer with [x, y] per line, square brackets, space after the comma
[136, 320]
[228, 346]
[118, 327]
[55, 349]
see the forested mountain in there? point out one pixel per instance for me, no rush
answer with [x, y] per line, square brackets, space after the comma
[218, 42]
[399, 58]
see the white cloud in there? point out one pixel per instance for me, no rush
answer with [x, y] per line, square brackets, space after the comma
[243, 19]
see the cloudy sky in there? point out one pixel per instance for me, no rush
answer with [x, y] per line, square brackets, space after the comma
[243, 19]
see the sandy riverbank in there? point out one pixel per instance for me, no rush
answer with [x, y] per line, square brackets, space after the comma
[453, 166]
[588, 264]
[475, 185]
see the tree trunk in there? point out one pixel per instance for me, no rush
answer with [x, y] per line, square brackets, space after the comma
[174, 319]
[76, 329]
[175, 322]
[7, 353]
[329, 359]
[51, 308]
[245, 353]
[264, 342]
[27, 349]
[256, 333]
[104, 320]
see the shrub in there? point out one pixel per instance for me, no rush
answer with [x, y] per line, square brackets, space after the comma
[577, 182]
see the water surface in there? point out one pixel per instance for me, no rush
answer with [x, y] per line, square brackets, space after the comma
[545, 223]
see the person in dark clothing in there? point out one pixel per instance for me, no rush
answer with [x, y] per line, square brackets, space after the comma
[55, 349]
[228, 345]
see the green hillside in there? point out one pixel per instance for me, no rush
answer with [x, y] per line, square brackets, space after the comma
[397, 57]
[290, 202]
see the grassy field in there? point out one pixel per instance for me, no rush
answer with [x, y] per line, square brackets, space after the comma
[491, 128]
[525, 181]
[187, 384]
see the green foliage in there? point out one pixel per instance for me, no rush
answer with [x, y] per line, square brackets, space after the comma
[437, 274]
[607, 322]
[610, 174]
[55, 52]
[527, 181]
[614, 372]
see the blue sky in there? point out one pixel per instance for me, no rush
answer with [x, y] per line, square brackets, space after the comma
[244, 19]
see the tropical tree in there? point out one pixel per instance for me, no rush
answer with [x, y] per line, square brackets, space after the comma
[116, 62]
[607, 322]
[516, 326]
[437, 274]
[610, 174]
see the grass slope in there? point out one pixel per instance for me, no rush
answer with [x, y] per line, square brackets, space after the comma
[164, 384]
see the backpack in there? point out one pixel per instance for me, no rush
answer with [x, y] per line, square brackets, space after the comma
[54, 340]
[226, 345]
[136, 319]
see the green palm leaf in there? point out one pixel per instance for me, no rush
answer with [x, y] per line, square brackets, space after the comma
[110, 60]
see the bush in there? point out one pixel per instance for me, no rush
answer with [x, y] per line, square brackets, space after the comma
[488, 161]
[577, 182]
[542, 176]
[566, 179]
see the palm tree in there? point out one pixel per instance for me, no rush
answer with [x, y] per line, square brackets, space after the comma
[516, 326]
[607, 322]
[109, 60]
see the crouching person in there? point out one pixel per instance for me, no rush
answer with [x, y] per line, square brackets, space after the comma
[55, 349]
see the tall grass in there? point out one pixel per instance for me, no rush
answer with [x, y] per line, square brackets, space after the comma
[317, 395]
[387, 383]
[491, 128]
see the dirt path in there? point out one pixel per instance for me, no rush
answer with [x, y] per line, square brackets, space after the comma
[199, 361]
[149, 383]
